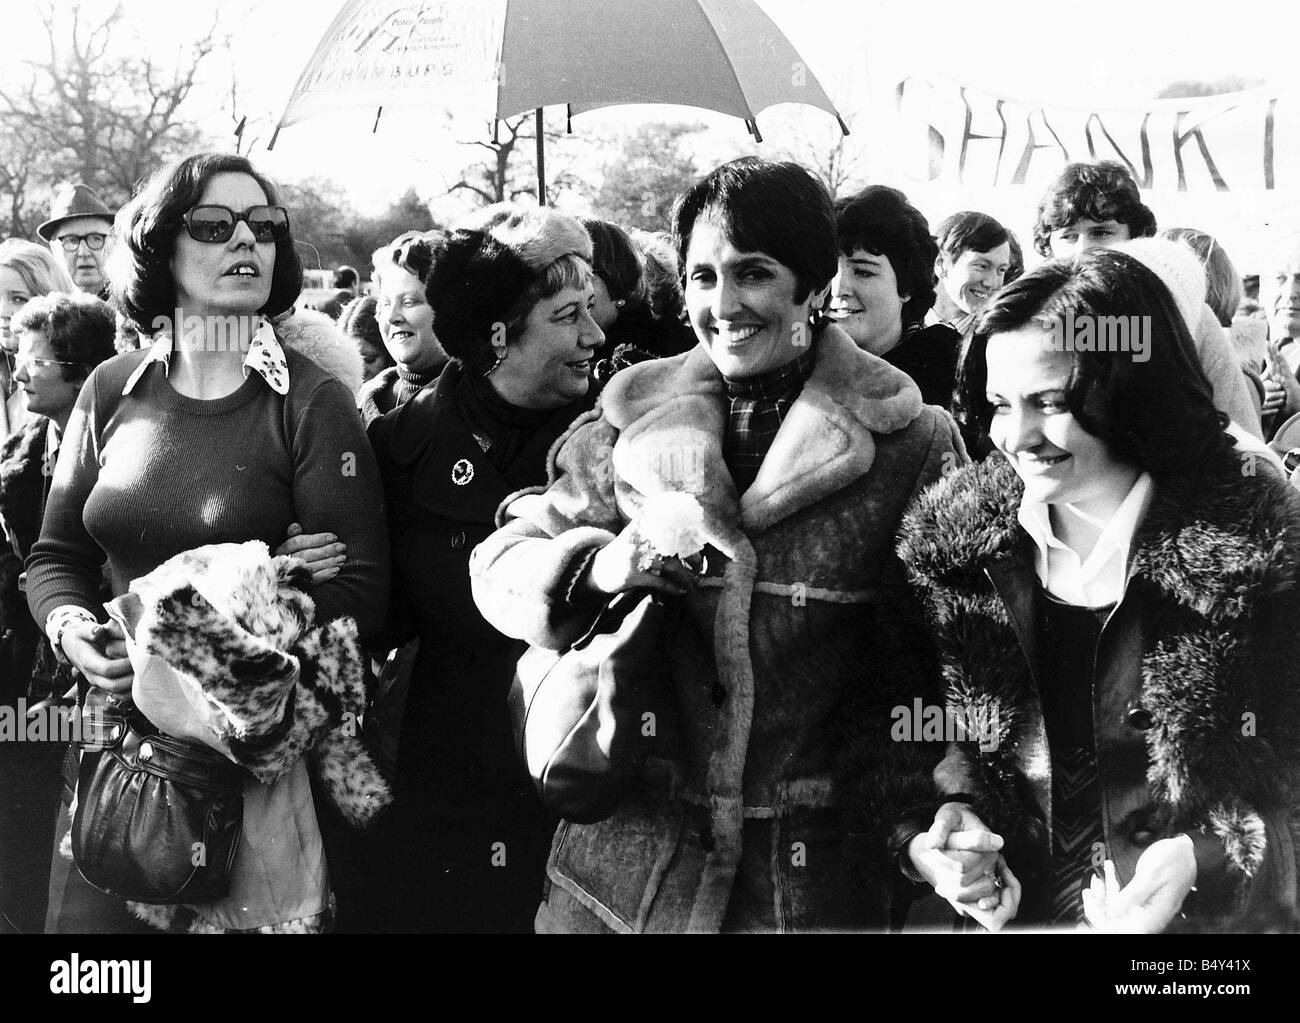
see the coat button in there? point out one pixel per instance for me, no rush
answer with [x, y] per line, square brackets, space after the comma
[146, 751]
[1139, 717]
[458, 540]
[719, 694]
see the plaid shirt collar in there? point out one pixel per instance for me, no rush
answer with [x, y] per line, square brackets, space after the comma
[784, 382]
[265, 355]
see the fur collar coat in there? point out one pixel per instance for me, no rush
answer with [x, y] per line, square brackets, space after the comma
[780, 661]
[1196, 695]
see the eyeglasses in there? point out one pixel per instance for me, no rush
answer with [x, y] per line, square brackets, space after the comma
[72, 242]
[18, 361]
[216, 224]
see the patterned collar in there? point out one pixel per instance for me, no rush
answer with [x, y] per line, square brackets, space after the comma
[265, 355]
[777, 383]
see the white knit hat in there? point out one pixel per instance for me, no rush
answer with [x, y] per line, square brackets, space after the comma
[1178, 265]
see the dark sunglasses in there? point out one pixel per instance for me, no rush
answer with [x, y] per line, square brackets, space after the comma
[216, 224]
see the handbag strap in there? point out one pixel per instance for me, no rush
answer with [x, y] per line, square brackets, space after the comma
[177, 760]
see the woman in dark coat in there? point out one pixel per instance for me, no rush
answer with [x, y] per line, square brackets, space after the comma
[1116, 601]
[885, 286]
[511, 294]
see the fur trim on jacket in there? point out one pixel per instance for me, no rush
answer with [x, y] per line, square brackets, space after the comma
[316, 336]
[782, 665]
[1214, 700]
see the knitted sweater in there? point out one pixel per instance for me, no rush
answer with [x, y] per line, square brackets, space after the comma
[144, 476]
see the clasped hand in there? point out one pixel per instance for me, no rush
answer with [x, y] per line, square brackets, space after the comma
[962, 860]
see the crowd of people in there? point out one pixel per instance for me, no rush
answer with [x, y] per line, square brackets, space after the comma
[989, 621]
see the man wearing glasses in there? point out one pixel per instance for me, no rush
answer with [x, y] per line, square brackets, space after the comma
[78, 232]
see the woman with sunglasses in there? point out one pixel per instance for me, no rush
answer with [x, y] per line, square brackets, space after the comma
[26, 271]
[212, 433]
[60, 338]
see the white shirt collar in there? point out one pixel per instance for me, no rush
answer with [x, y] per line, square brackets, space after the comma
[1100, 579]
[265, 355]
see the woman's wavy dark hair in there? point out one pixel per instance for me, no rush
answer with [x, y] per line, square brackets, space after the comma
[616, 261]
[780, 209]
[1157, 414]
[146, 230]
[880, 220]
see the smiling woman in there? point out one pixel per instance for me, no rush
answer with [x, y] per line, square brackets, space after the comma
[1137, 588]
[510, 296]
[802, 449]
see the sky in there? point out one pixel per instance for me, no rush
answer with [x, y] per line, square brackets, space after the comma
[1107, 52]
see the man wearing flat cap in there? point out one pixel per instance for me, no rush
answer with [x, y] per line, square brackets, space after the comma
[77, 232]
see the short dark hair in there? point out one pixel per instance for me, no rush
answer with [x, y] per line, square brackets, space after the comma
[1157, 414]
[615, 260]
[880, 220]
[969, 231]
[780, 209]
[357, 320]
[146, 230]
[81, 329]
[345, 277]
[1099, 191]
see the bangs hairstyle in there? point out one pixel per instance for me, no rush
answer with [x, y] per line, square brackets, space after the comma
[616, 261]
[969, 231]
[778, 209]
[147, 228]
[1223, 292]
[569, 271]
[81, 329]
[1096, 191]
[1159, 414]
[880, 220]
[39, 271]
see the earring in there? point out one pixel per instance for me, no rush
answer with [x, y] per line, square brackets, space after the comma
[500, 359]
[619, 303]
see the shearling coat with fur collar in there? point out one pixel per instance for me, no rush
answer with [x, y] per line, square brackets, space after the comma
[1196, 691]
[783, 662]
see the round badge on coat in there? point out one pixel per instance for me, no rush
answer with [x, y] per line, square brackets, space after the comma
[462, 472]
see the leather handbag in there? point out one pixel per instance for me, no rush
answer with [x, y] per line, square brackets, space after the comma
[586, 718]
[158, 819]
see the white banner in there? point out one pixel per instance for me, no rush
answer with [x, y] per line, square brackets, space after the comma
[949, 133]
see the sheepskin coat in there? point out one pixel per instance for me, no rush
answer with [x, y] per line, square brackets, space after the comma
[781, 665]
[1195, 690]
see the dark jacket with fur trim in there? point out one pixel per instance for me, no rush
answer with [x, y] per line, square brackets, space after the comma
[1196, 696]
[784, 661]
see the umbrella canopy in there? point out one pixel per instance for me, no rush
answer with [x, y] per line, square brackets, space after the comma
[723, 55]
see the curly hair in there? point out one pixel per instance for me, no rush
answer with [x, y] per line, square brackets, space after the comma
[1099, 191]
[880, 220]
[147, 229]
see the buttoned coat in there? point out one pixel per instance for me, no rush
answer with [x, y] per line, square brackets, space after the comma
[1196, 690]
